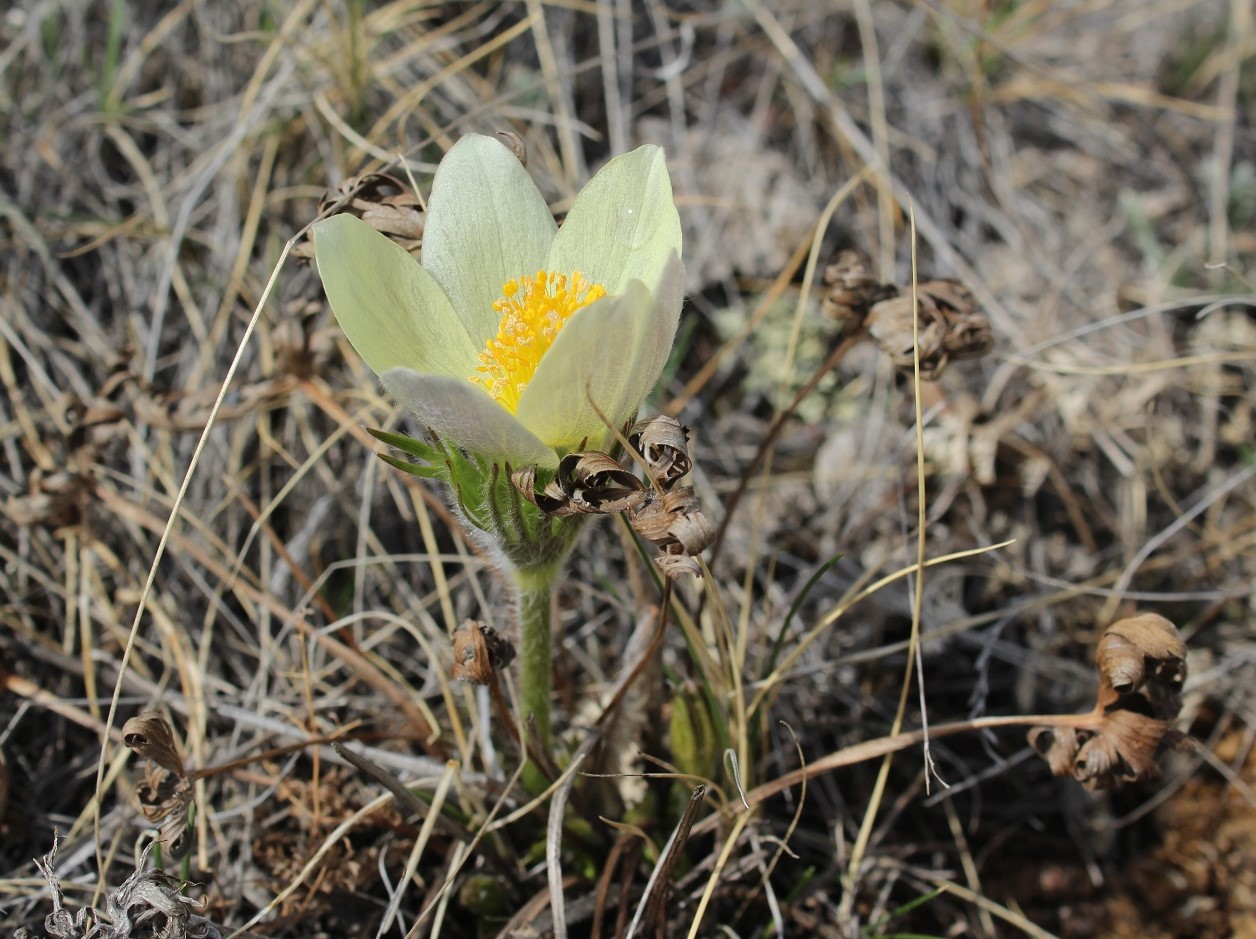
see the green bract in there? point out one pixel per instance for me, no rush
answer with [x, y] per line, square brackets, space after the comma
[421, 326]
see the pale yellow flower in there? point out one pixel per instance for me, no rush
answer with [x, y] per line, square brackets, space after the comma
[509, 328]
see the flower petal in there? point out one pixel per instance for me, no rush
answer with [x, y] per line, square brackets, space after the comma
[467, 417]
[391, 309]
[611, 352]
[623, 225]
[486, 224]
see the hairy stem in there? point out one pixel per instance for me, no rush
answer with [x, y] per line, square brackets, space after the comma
[535, 596]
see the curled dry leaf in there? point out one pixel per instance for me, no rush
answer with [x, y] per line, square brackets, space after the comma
[384, 202]
[479, 651]
[589, 483]
[165, 793]
[516, 145]
[663, 443]
[1122, 751]
[1142, 648]
[151, 736]
[596, 483]
[675, 524]
[1058, 746]
[950, 325]
[551, 500]
[852, 288]
[1142, 666]
[890, 324]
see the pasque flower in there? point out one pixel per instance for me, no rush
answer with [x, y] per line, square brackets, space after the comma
[512, 332]
[515, 342]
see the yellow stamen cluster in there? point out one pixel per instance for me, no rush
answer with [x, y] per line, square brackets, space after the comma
[534, 310]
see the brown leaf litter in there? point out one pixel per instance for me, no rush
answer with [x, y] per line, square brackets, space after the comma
[1142, 667]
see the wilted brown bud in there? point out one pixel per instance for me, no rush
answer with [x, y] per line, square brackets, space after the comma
[151, 736]
[663, 443]
[384, 202]
[853, 290]
[479, 651]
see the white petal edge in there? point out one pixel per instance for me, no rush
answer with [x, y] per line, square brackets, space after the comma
[623, 225]
[467, 417]
[486, 224]
[611, 352]
[392, 311]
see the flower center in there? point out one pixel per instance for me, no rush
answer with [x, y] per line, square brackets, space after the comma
[534, 310]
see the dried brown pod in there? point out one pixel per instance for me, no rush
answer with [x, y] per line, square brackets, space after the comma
[852, 288]
[479, 651]
[663, 443]
[384, 202]
[151, 736]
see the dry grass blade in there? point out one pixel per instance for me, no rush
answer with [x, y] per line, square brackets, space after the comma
[650, 911]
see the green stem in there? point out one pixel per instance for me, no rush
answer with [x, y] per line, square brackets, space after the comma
[535, 589]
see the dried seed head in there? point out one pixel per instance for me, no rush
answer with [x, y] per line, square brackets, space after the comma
[663, 443]
[151, 736]
[479, 651]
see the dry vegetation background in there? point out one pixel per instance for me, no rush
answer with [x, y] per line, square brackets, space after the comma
[1077, 164]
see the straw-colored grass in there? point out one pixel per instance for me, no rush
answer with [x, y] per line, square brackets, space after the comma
[1088, 170]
